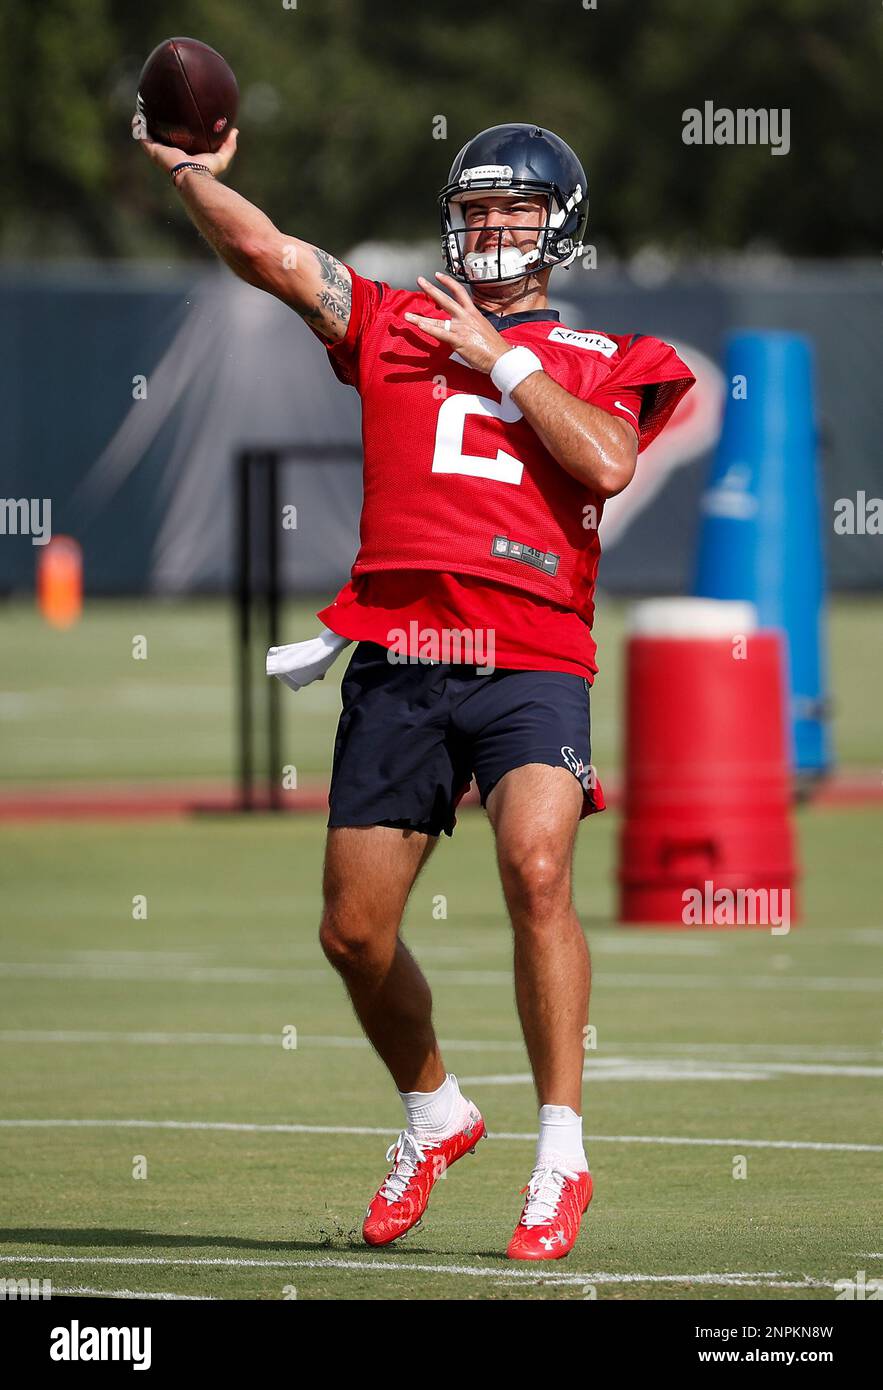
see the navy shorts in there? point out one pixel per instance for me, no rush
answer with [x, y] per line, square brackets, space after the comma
[412, 735]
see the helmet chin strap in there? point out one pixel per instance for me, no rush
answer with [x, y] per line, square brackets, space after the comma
[507, 264]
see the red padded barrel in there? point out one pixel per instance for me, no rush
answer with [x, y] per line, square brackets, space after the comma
[707, 797]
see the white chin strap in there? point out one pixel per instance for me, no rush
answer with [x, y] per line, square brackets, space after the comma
[489, 265]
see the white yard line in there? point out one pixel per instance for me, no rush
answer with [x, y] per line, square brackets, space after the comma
[825, 1052]
[245, 1128]
[736, 1281]
[498, 943]
[682, 1069]
[224, 975]
[60, 1035]
[65, 1036]
[656, 1073]
[165, 973]
[644, 943]
[132, 1293]
[390, 1265]
[816, 1069]
[738, 1054]
[775, 980]
[634, 1071]
[127, 957]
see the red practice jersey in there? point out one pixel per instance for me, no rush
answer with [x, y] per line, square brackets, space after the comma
[467, 520]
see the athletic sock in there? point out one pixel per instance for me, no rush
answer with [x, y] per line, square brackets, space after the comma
[560, 1139]
[438, 1114]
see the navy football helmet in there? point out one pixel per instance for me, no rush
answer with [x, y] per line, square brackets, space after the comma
[515, 159]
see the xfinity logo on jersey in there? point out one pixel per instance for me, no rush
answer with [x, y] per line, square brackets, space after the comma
[76, 1343]
[592, 342]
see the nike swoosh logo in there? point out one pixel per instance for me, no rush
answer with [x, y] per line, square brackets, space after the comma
[626, 409]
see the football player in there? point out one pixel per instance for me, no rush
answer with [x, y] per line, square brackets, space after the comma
[493, 434]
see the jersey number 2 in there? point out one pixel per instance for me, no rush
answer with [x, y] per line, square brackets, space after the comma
[449, 456]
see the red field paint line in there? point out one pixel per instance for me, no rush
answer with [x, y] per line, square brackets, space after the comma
[860, 788]
[138, 800]
[149, 800]
[158, 800]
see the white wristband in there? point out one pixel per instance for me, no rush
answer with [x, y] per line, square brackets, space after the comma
[509, 371]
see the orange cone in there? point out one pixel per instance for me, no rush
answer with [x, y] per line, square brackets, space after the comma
[60, 581]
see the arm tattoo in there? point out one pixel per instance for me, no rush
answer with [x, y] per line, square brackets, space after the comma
[334, 300]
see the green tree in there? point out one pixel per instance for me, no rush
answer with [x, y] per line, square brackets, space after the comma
[339, 100]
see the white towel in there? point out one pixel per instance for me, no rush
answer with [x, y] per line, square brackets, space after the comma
[300, 663]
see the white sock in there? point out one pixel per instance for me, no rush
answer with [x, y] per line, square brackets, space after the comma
[561, 1138]
[438, 1113]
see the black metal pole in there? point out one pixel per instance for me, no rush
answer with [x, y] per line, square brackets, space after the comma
[274, 736]
[257, 564]
[243, 535]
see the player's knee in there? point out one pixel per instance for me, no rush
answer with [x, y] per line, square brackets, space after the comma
[347, 940]
[535, 880]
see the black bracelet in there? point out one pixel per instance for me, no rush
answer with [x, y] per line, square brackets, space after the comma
[188, 164]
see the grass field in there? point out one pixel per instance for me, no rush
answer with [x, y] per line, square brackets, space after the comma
[159, 1041]
[76, 705]
[732, 1036]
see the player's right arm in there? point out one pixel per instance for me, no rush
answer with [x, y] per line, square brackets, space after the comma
[309, 280]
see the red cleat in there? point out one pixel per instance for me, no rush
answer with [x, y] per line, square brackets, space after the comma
[557, 1196]
[417, 1163]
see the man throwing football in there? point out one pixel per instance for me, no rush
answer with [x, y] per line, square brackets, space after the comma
[493, 434]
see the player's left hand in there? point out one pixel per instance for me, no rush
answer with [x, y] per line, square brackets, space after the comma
[467, 330]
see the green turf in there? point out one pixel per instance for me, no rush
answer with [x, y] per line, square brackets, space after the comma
[244, 897]
[76, 705]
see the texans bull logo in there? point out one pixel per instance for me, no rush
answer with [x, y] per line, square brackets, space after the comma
[584, 775]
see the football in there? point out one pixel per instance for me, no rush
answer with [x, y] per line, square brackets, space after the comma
[187, 96]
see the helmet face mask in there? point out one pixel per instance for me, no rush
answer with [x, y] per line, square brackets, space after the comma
[478, 249]
[521, 162]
